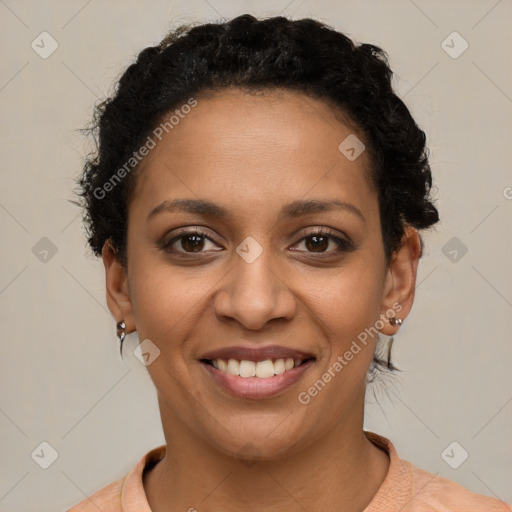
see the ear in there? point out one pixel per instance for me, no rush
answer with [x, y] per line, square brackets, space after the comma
[118, 293]
[400, 281]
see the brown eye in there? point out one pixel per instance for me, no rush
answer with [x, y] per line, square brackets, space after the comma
[317, 243]
[320, 241]
[188, 242]
[192, 243]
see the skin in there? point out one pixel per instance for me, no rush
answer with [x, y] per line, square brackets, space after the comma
[253, 154]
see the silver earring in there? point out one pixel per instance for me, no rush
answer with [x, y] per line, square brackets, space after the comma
[395, 321]
[121, 334]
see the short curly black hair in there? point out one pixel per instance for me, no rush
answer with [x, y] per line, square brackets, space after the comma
[256, 54]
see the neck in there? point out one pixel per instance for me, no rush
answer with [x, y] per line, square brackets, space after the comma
[342, 466]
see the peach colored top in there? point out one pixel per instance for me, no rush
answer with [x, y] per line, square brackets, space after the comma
[406, 488]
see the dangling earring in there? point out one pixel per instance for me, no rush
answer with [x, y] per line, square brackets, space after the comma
[121, 334]
[395, 321]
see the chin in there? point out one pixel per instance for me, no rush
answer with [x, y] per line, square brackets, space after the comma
[258, 436]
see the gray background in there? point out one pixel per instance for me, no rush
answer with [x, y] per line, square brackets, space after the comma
[62, 379]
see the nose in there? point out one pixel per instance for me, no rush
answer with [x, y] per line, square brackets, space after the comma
[254, 293]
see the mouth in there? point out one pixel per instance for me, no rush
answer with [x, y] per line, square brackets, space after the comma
[261, 369]
[256, 373]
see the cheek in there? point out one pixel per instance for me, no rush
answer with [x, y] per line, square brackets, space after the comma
[165, 301]
[350, 313]
[350, 301]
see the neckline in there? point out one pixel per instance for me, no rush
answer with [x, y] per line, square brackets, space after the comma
[133, 486]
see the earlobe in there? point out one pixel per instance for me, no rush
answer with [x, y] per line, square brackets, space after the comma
[400, 282]
[118, 293]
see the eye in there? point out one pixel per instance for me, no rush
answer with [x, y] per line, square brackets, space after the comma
[320, 240]
[193, 240]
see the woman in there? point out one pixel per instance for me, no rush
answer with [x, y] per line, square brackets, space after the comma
[257, 198]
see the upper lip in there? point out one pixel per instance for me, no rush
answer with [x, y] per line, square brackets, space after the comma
[256, 354]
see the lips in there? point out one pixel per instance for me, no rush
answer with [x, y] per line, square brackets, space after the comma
[256, 373]
[256, 354]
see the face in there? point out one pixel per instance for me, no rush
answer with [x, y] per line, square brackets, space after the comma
[252, 238]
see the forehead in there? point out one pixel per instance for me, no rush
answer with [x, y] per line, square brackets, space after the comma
[267, 145]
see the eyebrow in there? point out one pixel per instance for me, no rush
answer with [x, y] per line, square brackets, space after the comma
[295, 209]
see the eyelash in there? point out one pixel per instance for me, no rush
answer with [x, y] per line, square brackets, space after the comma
[343, 245]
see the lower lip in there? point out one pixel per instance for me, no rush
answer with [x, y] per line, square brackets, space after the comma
[255, 387]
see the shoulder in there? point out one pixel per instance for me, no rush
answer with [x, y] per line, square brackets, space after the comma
[108, 498]
[435, 493]
[410, 489]
[125, 492]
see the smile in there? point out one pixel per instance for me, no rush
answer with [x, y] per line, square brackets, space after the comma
[256, 373]
[261, 369]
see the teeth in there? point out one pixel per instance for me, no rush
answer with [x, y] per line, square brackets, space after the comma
[279, 366]
[233, 367]
[264, 369]
[247, 368]
[261, 369]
